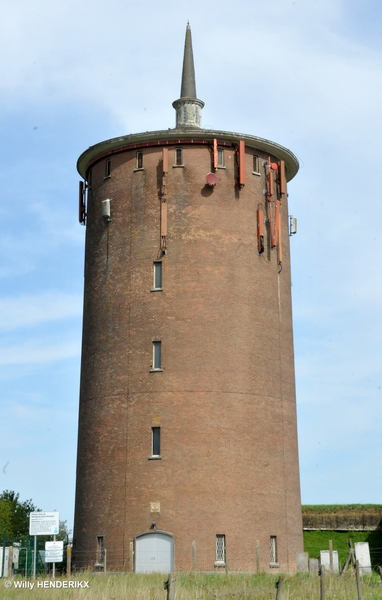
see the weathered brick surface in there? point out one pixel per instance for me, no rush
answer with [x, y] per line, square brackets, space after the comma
[225, 400]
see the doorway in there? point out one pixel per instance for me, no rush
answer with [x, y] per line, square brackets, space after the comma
[154, 552]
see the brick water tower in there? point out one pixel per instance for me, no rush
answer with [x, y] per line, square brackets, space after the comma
[187, 447]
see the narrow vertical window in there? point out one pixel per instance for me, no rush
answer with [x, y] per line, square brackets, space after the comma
[157, 358]
[178, 157]
[107, 168]
[139, 160]
[155, 441]
[220, 157]
[255, 167]
[220, 550]
[157, 275]
[273, 549]
[100, 549]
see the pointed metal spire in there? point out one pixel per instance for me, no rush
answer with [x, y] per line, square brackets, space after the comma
[188, 89]
[188, 107]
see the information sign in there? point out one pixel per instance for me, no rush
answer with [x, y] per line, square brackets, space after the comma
[44, 523]
[54, 552]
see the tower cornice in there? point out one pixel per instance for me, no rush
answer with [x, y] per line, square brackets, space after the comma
[181, 135]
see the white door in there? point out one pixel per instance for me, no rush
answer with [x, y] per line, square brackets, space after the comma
[154, 553]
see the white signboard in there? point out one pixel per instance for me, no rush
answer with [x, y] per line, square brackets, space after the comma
[44, 523]
[54, 552]
[325, 561]
[362, 554]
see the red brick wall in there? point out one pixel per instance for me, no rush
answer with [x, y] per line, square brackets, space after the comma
[225, 400]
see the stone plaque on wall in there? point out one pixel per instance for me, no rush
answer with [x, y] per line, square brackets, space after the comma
[155, 507]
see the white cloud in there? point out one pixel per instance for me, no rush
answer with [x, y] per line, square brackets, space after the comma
[38, 352]
[31, 310]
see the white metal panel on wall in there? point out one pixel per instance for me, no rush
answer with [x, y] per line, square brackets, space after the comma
[154, 553]
[4, 562]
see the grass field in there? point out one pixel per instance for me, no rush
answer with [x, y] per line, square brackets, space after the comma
[190, 586]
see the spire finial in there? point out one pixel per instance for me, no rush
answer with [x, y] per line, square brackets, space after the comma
[188, 107]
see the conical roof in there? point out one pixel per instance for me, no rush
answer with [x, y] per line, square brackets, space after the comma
[188, 107]
[188, 88]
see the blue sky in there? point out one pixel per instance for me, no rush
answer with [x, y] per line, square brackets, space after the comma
[306, 75]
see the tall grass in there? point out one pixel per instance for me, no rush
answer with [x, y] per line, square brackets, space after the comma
[341, 508]
[190, 586]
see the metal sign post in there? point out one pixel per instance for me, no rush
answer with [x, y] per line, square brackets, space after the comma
[34, 556]
[54, 552]
[42, 523]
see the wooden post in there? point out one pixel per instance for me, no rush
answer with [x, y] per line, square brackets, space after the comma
[170, 587]
[349, 558]
[346, 564]
[331, 564]
[68, 561]
[131, 556]
[359, 586]
[380, 571]
[104, 560]
[322, 583]
[352, 553]
[194, 556]
[280, 594]
[258, 556]
[331, 567]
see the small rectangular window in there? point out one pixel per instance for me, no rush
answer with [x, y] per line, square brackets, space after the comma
[273, 550]
[255, 167]
[107, 168]
[220, 157]
[139, 160]
[178, 157]
[155, 441]
[157, 275]
[100, 549]
[220, 550]
[157, 358]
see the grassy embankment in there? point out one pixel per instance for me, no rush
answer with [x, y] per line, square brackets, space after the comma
[314, 541]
